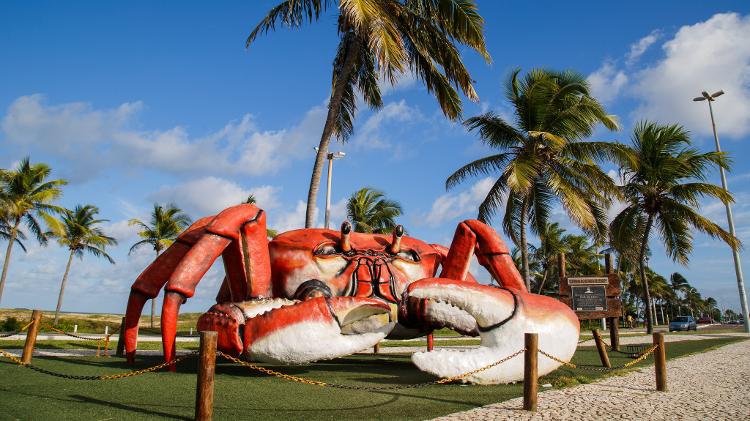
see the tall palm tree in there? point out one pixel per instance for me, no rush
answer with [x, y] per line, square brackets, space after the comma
[386, 38]
[167, 222]
[78, 231]
[369, 211]
[541, 156]
[26, 196]
[664, 182]
[5, 233]
[679, 285]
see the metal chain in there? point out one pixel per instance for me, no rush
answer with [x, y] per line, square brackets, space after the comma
[638, 359]
[6, 335]
[371, 388]
[108, 377]
[553, 358]
[72, 335]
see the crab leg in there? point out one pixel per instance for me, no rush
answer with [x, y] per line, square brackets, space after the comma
[151, 281]
[474, 237]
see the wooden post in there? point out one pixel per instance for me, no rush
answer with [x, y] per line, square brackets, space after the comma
[376, 348]
[430, 342]
[601, 348]
[660, 363]
[530, 371]
[561, 265]
[204, 393]
[607, 263]
[121, 339]
[614, 333]
[28, 347]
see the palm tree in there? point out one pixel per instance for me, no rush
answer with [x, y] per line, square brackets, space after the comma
[551, 245]
[165, 225]
[26, 195]
[679, 284]
[542, 157]
[369, 211]
[664, 181]
[78, 231]
[386, 38]
[5, 233]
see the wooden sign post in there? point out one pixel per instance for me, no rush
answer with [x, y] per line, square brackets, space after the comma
[593, 297]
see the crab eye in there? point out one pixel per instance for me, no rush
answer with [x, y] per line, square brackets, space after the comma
[326, 250]
[409, 255]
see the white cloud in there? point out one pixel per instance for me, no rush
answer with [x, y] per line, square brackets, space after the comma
[637, 49]
[403, 82]
[453, 205]
[291, 219]
[95, 139]
[370, 135]
[209, 195]
[607, 82]
[709, 55]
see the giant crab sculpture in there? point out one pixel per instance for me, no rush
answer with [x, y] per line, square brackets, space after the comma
[313, 294]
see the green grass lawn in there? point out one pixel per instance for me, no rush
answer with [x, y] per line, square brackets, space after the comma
[240, 393]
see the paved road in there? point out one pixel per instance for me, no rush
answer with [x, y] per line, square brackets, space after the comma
[708, 386]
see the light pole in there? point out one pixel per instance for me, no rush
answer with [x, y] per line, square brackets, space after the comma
[735, 252]
[331, 156]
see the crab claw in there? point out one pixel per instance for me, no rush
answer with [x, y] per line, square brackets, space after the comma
[502, 317]
[291, 332]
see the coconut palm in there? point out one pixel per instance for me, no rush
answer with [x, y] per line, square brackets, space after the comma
[5, 233]
[26, 196]
[664, 182]
[167, 222]
[383, 39]
[541, 157]
[78, 231]
[369, 211]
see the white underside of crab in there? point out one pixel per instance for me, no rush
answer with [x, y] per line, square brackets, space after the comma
[557, 336]
[309, 341]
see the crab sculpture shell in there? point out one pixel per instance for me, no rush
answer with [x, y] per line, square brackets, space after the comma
[314, 294]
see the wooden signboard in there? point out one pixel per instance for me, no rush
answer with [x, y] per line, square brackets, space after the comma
[591, 297]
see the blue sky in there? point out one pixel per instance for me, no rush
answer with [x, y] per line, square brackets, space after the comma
[145, 101]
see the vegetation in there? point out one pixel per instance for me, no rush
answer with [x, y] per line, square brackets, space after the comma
[167, 222]
[78, 232]
[26, 196]
[369, 211]
[664, 180]
[383, 40]
[542, 157]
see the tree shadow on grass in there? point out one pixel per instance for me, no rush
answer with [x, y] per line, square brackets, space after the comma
[132, 408]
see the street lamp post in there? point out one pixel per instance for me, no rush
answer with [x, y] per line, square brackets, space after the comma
[331, 156]
[735, 252]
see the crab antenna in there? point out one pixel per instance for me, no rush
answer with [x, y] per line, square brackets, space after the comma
[346, 229]
[398, 232]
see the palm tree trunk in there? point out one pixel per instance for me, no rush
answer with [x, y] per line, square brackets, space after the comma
[644, 282]
[62, 288]
[334, 108]
[524, 247]
[544, 279]
[6, 263]
[153, 300]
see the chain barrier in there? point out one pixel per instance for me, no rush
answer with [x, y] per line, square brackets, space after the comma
[638, 359]
[303, 380]
[9, 334]
[107, 377]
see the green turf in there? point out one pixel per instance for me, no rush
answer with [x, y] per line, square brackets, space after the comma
[239, 393]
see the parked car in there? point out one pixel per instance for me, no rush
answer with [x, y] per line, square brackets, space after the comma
[683, 323]
[705, 320]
